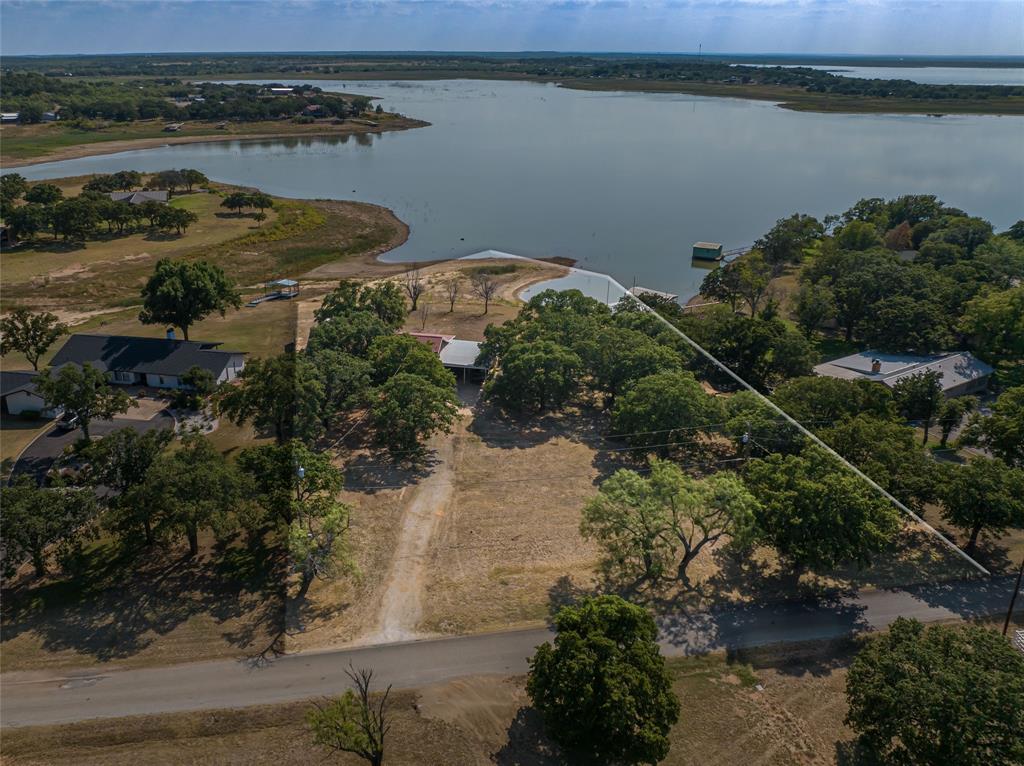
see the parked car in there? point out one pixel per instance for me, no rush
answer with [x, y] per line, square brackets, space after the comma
[68, 422]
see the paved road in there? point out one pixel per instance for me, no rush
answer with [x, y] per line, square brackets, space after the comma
[55, 697]
[38, 456]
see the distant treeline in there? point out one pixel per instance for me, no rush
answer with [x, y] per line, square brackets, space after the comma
[650, 68]
[31, 94]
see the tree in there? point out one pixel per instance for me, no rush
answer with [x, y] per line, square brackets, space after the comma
[899, 238]
[414, 286]
[814, 305]
[75, 218]
[83, 392]
[150, 210]
[39, 519]
[168, 179]
[236, 201]
[25, 221]
[452, 291]
[101, 183]
[952, 413]
[641, 522]
[120, 461]
[344, 378]
[193, 177]
[12, 187]
[938, 694]
[602, 689]
[389, 355]
[904, 324]
[260, 218]
[44, 194]
[350, 333]
[818, 401]
[283, 394]
[919, 397]
[995, 322]
[616, 357]
[785, 242]
[384, 301]
[354, 723]
[1016, 232]
[815, 513]
[660, 410]
[191, 489]
[29, 334]
[753, 275]
[127, 179]
[1002, 431]
[484, 287]
[859, 235]
[534, 376]
[721, 284]
[261, 201]
[176, 218]
[276, 481]
[985, 494]
[408, 409]
[181, 293]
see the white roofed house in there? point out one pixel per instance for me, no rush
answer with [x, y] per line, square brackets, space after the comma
[459, 356]
[962, 372]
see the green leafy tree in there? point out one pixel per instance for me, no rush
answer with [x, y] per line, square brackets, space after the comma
[950, 694]
[785, 242]
[83, 392]
[859, 235]
[345, 380]
[617, 357]
[660, 410]
[602, 689]
[919, 397]
[172, 180]
[818, 401]
[349, 334]
[390, 354]
[753, 275]
[26, 221]
[191, 489]
[30, 334]
[535, 375]
[385, 301]
[722, 285]
[952, 413]
[181, 293]
[38, 520]
[355, 722]
[817, 514]
[986, 494]
[814, 305]
[44, 194]
[408, 409]
[904, 324]
[175, 218]
[193, 177]
[75, 218]
[261, 201]
[150, 210]
[128, 179]
[274, 473]
[120, 461]
[995, 323]
[236, 201]
[12, 186]
[1002, 431]
[283, 394]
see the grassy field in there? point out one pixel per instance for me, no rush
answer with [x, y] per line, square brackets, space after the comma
[21, 144]
[796, 717]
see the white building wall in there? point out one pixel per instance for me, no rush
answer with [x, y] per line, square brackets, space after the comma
[162, 381]
[21, 401]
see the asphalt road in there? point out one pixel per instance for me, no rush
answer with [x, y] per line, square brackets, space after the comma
[42, 697]
[38, 456]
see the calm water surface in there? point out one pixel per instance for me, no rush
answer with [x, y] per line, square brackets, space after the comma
[623, 183]
[931, 75]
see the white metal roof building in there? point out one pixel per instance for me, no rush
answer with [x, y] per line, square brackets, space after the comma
[962, 372]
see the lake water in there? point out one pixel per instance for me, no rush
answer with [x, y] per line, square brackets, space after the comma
[931, 75]
[622, 182]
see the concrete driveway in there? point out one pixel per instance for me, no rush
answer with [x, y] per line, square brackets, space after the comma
[38, 456]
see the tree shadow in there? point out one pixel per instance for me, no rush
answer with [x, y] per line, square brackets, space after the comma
[162, 236]
[370, 472]
[527, 745]
[119, 600]
[504, 430]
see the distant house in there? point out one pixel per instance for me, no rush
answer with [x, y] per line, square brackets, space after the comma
[707, 251]
[173, 127]
[138, 197]
[962, 372]
[156, 362]
[18, 394]
[459, 356]
[282, 91]
[8, 117]
[313, 110]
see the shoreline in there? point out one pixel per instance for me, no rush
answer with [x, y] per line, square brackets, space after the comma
[99, 148]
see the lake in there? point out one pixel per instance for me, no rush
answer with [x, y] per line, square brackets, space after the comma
[622, 182]
[927, 75]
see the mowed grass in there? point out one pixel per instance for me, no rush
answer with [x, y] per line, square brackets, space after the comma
[795, 718]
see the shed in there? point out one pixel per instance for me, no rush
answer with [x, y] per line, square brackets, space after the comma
[18, 394]
[707, 251]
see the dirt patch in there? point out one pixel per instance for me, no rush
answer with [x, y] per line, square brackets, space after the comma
[482, 707]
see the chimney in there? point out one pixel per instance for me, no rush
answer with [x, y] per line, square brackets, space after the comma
[170, 333]
[876, 365]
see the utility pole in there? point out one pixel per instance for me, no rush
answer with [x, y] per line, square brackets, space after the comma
[1013, 598]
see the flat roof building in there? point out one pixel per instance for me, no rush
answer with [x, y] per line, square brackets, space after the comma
[962, 372]
[459, 356]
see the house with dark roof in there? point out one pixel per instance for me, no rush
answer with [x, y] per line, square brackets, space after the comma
[156, 362]
[138, 197]
[18, 393]
[960, 372]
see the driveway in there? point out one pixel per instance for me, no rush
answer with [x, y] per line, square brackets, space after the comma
[38, 456]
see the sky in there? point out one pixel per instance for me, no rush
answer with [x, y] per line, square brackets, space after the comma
[891, 27]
